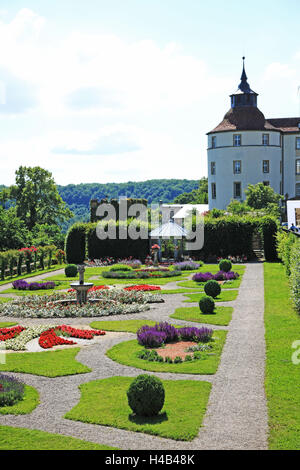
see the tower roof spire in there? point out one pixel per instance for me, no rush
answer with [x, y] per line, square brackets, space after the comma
[244, 85]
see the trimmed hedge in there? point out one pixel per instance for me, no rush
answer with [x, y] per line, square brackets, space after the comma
[75, 244]
[233, 236]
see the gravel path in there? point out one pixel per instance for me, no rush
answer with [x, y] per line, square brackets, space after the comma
[236, 417]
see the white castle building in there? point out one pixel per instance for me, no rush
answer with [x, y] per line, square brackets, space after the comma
[245, 148]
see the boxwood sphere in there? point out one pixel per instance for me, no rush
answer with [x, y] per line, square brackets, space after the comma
[212, 288]
[71, 270]
[146, 395]
[207, 304]
[225, 265]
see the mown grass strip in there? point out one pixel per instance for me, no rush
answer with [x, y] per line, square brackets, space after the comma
[104, 402]
[282, 326]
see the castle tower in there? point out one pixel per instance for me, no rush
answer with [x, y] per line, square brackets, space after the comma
[245, 148]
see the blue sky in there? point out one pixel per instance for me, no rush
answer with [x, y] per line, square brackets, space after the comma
[118, 90]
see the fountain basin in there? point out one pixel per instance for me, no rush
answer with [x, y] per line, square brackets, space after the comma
[81, 291]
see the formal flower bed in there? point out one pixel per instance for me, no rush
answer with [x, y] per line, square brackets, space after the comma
[147, 273]
[92, 289]
[187, 265]
[10, 333]
[162, 333]
[11, 390]
[52, 337]
[219, 276]
[113, 302]
[142, 288]
[16, 338]
[23, 285]
[176, 343]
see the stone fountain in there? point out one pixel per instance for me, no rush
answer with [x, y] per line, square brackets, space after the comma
[81, 287]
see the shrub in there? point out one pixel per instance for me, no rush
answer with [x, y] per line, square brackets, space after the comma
[75, 243]
[177, 360]
[285, 242]
[225, 265]
[212, 289]
[121, 267]
[71, 270]
[11, 390]
[146, 395]
[207, 305]
[295, 274]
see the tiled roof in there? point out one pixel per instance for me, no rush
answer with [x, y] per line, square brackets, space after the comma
[286, 124]
[247, 118]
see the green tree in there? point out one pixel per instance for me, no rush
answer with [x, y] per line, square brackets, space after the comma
[197, 196]
[37, 198]
[13, 232]
[238, 207]
[45, 234]
[258, 196]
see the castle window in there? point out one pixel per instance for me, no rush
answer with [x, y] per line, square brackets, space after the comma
[298, 166]
[265, 139]
[266, 166]
[213, 168]
[213, 142]
[298, 143]
[297, 190]
[237, 190]
[237, 167]
[213, 191]
[237, 140]
[266, 183]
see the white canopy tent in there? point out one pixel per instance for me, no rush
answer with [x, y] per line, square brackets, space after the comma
[169, 230]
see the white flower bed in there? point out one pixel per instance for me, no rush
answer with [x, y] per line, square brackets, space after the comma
[119, 302]
[19, 343]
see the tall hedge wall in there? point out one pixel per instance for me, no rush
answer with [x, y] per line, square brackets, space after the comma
[222, 237]
[115, 248]
[233, 236]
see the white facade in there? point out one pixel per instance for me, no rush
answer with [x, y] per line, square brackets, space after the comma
[245, 148]
[249, 163]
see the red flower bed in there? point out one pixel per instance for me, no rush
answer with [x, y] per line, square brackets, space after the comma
[92, 289]
[142, 287]
[49, 338]
[9, 333]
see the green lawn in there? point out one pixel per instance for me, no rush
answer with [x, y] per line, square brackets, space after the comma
[104, 402]
[128, 326]
[25, 406]
[49, 363]
[225, 296]
[282, 376]
[7, 324]
[34, 273]
[221, 316]
[176, 291]
[4, 300]
[27, 439]
[127, 351]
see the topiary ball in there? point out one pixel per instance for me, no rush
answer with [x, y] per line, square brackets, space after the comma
[212, 288]
[71, 270]
[225, 265]
[207, 305]
[146, 395]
